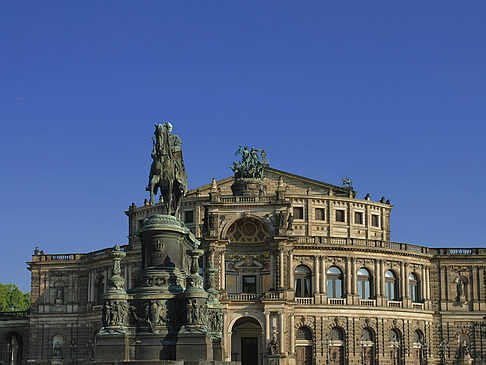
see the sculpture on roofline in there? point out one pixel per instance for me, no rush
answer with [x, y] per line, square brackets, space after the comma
[252, 163]
[167, 171]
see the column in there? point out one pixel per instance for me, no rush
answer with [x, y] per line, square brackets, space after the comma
[106, 280]
[282, 337]
[223, 270]
[267, 328]
[407, 294]
[89, 286]
[292, 334]
[382, 273]
[273, 284]
[348, 276]
[125, 275]
[323, 275]
[427, 287]
[424, 284]
[291, 271]
[402, 281]
[354, 276]
[281, 267]
[377, 278]
[316, 275]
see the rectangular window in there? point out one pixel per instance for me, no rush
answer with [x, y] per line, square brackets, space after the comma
[358, 217]
[249, 284]
[340, 215]
[319, 216]
[298, 213]
[375, 220]
[189, 216]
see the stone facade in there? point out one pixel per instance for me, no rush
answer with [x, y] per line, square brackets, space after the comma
[306, 273]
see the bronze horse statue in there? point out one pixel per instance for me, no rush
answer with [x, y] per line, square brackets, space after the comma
[167, 171]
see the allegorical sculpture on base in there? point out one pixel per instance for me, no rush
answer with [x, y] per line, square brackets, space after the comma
[248, 173]
[167, 315]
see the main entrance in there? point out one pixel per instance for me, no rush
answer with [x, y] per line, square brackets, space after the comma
[246, 341]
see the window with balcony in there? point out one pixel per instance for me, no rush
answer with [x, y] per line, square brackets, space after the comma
[298, 212]
[391, 287]
[364, 284]
[302, 277]
[319, 214]
[334, 282]
[413, 287]
[249, 284]
[340, 215]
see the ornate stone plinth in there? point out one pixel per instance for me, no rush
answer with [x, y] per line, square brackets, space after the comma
[167, 315]
[248, 187]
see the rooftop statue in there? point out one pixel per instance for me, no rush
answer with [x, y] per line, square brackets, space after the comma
[252, 163]
[167, 171]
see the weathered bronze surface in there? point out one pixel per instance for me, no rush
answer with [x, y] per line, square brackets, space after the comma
[167, 171]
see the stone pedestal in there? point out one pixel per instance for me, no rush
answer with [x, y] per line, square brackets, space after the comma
[112, 347]
[195, 346]
[248, 187]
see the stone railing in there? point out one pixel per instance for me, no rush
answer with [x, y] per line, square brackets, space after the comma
[367, 302]
[337, 301]
[418, 305]
[394, 303]
[460, 251]
[243, 199]
[304, 300]
[241, 297]
[274, 296]
[57, 257]
[362, 243]
[14, 314]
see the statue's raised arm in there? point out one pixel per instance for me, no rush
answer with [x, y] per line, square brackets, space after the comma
[167, 171]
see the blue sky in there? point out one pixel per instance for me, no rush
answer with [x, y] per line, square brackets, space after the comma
[390, 94]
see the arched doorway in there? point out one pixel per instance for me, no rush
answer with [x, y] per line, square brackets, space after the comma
[14, 348]
[246, 339]
[303, 346]
[336, 346]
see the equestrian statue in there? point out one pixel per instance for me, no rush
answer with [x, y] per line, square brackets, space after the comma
[167, 171]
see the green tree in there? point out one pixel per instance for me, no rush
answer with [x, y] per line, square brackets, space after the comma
[13, 299]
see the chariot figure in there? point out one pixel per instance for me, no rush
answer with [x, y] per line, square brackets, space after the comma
[167, 171]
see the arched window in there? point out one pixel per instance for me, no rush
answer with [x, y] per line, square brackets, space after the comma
[394, 345]
[304, 333]
[367, 347]
[334, 282]
[336, 346]
[302, 275]
[14, 349]
[364, 284]
[413, 285]
[391, 286]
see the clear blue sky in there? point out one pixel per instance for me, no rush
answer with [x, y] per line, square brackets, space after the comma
[391, 94]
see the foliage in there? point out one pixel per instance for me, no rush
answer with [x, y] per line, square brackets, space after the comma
[13, 299]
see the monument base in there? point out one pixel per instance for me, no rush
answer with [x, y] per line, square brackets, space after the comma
[194, 347]
[113, 347]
